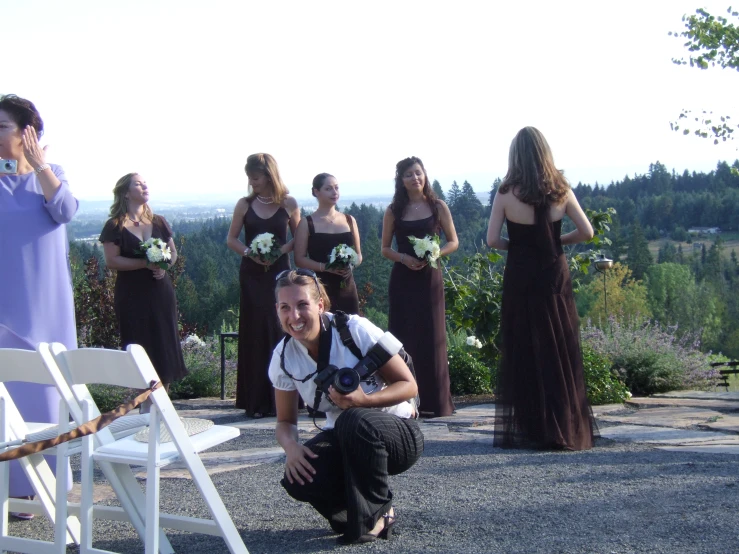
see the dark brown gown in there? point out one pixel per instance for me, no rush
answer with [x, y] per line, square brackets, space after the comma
[146, 308]
[341, 292]
[259, 326]
[417, 319]
[541, 400]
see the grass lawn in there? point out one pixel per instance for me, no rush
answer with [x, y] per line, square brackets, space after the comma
[731, 242]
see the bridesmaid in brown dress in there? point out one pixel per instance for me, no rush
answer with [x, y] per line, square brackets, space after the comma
[416, 290]
[318, 234]
[267, 209]
[145, 303]
[541, 399]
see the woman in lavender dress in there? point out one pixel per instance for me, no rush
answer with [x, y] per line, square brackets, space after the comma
[36, 302]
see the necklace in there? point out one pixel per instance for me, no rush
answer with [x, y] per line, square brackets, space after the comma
[265, 199]
[132, 220]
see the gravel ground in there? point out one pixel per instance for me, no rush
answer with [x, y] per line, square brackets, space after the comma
[467, 497]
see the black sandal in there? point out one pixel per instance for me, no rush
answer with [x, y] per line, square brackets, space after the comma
[385, 534]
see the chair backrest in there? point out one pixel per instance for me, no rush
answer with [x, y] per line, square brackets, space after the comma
[24, 365]
[100, 366]
[130, 368]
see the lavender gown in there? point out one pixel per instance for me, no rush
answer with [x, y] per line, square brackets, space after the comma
[36, 301]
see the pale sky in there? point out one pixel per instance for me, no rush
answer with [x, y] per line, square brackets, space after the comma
[184, 91]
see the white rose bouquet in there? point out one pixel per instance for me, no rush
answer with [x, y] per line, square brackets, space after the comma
[427, 248]
[342, 257]
[157, 252]
[264, 247]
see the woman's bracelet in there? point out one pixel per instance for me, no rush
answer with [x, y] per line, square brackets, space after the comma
[402, 257]
[41, 168]
[246, 251]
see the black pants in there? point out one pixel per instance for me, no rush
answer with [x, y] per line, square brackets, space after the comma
[350, 488]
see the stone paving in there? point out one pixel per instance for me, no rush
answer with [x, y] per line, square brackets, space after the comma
[662, 481]
[692, 421]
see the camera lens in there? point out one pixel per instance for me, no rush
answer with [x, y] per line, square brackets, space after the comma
[346, 381]
[7, 166]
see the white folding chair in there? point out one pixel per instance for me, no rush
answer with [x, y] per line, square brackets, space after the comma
[132, 368]
[51, 492]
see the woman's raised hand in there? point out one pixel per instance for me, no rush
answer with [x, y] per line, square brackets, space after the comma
[35, 155]
[297, 466]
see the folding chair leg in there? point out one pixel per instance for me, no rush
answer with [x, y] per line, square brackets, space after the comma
[4, 478]
[215, 504]
[152, 484]
[132, 499]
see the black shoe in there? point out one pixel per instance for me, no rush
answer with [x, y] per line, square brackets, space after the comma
[385, 534]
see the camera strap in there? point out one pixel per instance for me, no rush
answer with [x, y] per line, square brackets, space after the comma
[324, 351]
[324, 355]
[341, 321]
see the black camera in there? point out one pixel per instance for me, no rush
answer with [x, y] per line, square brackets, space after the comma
[347, 379]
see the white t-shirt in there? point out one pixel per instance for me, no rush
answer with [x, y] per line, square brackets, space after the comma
[299, 363]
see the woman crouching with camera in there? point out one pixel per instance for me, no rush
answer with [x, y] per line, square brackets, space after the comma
[369, 433]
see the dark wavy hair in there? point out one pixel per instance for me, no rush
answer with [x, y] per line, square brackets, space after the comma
[318, 181]
[531, 170]
[23, 112]
[400, 198]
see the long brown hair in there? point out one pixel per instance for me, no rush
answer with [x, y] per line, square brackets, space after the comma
[267, 165]
[400, 198]
[531, 170]
[119, 208]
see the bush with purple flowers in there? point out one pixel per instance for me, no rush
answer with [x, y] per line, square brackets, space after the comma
[651, 358]
[203, 379]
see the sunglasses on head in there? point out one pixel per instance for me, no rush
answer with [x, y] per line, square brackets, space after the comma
[301, 271]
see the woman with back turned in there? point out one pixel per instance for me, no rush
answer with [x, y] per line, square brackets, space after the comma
[541, 398]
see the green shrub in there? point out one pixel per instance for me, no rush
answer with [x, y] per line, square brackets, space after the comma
[601, 382]
[473, 292]
[203, 362]
[109, 397]
[467, 374]
[376, 317]
[651, 358]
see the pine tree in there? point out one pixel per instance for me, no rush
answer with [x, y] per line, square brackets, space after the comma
[468, 205]
[454, 194]
[493, 192]
[438, 190]
[667, 253]
[638, 257]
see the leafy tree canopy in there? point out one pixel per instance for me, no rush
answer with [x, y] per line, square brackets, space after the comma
[712, 41]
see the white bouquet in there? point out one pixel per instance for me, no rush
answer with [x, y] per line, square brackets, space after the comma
[342, 257]
[427, 248]
[474, 341]
[264, 247]
[157, 252]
